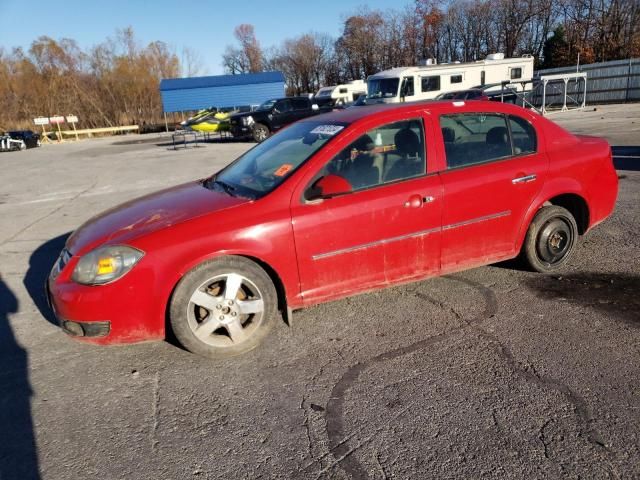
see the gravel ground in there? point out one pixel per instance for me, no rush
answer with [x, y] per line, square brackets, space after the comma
[493, 372]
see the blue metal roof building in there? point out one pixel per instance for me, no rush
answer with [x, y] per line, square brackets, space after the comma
[222, 91]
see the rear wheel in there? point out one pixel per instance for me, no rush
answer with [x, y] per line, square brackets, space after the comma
[550, 240]
[223, 308]
[260, 132]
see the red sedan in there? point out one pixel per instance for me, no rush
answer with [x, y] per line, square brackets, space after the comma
[335, 205]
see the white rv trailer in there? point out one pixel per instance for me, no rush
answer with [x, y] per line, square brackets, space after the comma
[430, 80]
[346, 93]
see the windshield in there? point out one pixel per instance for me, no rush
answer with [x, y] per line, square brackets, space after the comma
[383, 87]
[324, 92]
[267, 165]
[268, 105]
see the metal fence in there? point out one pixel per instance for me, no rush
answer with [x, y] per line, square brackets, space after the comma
[607, 82]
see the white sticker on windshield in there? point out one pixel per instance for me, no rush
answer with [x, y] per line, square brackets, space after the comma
[327, 129]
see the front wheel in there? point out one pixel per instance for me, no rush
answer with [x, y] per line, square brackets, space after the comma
[550, 240]
[223, 307]
[260, 132]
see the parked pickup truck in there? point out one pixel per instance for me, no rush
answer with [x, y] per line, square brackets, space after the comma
[271, 116]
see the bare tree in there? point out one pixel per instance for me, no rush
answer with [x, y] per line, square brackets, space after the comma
[191, 63]
[248, 57]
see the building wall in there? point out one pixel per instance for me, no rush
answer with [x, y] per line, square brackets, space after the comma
[222, 97]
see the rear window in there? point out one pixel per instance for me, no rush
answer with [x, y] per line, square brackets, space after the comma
[523, 136]
[300, 103]
[473, 138]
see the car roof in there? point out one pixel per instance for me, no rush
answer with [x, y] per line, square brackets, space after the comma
[352, 115]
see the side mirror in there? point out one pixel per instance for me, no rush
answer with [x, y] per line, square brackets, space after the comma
[329, 186]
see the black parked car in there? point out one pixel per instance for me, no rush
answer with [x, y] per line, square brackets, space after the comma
[271, 116]
[31, 139]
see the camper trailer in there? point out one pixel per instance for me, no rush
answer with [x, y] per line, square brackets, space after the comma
[341, 94]
[430, 80]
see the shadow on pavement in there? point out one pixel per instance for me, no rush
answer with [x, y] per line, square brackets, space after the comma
[615, 294]
[626, 158]
[40, 263]
[18, 456]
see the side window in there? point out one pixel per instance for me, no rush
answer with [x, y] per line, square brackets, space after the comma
[523, 135]
[407, 85]
[283, 106]
[473, 138]
[384, 154]
[516, 73]
[343, 90]
[456, 79]
[300, 103]
[430, 84]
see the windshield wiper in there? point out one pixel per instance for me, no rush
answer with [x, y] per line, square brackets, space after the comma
[226, 187]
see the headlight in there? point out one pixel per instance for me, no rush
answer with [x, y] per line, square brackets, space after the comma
[105, 264]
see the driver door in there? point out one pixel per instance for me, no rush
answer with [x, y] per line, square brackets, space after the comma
[282, 114]
[387, 229]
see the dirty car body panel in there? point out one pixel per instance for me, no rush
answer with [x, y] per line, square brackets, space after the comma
[440, 217]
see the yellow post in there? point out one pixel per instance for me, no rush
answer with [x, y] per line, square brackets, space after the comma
[45, 138]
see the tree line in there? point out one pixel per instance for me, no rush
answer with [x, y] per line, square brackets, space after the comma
[555, 32]
[116, 82]
[113, 83]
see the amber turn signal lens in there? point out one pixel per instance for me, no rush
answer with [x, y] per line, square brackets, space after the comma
[105, 266]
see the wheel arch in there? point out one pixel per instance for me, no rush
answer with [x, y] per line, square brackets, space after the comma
[576, 205]
[567, 193]
[275, 277]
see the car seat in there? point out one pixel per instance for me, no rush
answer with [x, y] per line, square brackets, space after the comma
[410, 164]
[497, 141]
[362, 172]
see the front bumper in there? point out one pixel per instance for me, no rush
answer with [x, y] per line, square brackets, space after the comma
[240, 131]
[113, 313]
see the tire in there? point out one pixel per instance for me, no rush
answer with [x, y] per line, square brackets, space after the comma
[260, 132]
[212, 322]
[550, 240]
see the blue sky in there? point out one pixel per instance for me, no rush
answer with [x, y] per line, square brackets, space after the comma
[204, 26]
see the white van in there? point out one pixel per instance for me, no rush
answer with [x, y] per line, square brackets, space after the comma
[342, 94]
[406, 84]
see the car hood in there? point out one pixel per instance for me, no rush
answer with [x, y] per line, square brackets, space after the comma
[148, 214]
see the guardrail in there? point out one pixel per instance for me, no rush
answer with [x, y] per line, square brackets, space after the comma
[91, 131]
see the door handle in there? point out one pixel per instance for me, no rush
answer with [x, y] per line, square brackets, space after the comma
[416, 201]
[524, 179]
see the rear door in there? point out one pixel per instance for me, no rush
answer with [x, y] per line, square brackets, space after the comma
[301, 108]
[493, 172]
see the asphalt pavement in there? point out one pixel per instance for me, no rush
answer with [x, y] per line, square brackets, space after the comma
[493, 372]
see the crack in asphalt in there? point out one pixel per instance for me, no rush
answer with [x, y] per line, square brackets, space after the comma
[339, 446]
[155, 409]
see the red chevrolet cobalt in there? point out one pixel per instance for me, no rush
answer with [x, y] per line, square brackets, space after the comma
[334, 205]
